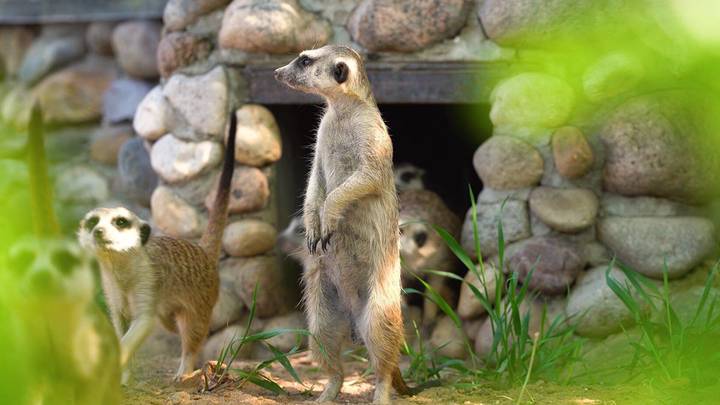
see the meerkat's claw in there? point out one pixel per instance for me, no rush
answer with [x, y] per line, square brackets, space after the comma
[312, 244]
[326, 241]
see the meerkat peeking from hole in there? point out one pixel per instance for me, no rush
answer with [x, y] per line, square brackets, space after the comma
[145, 276]
[350, 216]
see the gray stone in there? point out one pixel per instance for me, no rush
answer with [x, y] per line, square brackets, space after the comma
[565, 210]
[135, 45]
[174, 216]
[179, 49]
[596, 254]
[250, 191]
[249, 237]
[217, 342]
[448, 339]
[531, 100]
[286, 341]
[274, 296]
[611, 75]
[686, 303]
[196, 190]
[505, 163]
[257, 140]
[178, 161]
[594, 308]
[515, 221]
[228, 308]
[397, 25]
[153, 115]
[48, 54]
[469, 305]
[272, 26]
[179, 14]
[14, 43]
[646, 244]
[137, 177]
[98, 37]
[107, 141]
[555, 263]
[202, 101]
[661, 145]
[614, 205]
[121, 100]
[81, 184]
[490, 195]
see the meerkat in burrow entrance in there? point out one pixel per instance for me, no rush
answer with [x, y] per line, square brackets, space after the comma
[351, 221]
[145, 276]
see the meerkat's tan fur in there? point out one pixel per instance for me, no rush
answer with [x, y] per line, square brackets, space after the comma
[147, 277]
[351, 221]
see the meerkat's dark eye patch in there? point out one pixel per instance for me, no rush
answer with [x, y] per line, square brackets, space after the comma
[64, 261]
[340, 72]
[91, 222]
[145, 233]
[121, 223]
[304, 61]
[420, 239]
[407, 176]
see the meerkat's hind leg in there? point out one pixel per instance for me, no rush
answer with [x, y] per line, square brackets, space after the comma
[192, 329]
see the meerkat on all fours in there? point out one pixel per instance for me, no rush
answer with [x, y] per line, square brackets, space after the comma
[351, 221]
[146, 277]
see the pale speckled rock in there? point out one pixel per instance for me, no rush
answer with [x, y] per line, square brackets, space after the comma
[505, 163]
[620, 206]
[274, 296]
[178, 14]
[136, 175]
[565, 210]
[107, 141]
[14, 42]
[611, 75]
[516, 226]
[250, 191]
[196, 190]
[555, 263]
[179, 49]
[177, 161]
[220, 340]
[249, 237]
[272, 26]
[135, 45]
[121, 100]
[175, 217]
[202, 101]
[98, 37]
[257, 141]
[468, 305]
[397, 25]
[531, 100]
[81, 184]
[596, 254]
[153, 115]
[448, 339]
[646, 244]
[286, 341]
[489, 195]
[75, 94]
[572, 153]
[594, 307]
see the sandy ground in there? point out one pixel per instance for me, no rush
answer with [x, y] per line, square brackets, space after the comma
[154, 369]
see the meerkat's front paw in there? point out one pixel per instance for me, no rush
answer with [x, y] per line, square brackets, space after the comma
[327, 231]
[312, 232]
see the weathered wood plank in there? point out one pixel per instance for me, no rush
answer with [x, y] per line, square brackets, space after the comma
[396, 83]
[44, 11]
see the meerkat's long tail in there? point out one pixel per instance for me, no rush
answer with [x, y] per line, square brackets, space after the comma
[212, 238]
[44, 219]
[403, 389]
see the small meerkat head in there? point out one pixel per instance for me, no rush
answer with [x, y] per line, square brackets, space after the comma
[112, 229]
[408, 177]
[291, 240]
[328, 71]
[419, 245]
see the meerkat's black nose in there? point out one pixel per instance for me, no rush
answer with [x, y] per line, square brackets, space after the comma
[277, 73]
[98, 233]
[41, 279]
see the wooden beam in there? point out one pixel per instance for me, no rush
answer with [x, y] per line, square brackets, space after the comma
[69, 11]
[396, 83]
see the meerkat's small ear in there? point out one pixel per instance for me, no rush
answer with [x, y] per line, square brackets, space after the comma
[340, 72]
[144, 233]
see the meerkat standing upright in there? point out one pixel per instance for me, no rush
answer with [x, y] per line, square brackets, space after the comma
[146, 277]
[351, 220]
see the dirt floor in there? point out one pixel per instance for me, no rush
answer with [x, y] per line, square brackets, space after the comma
[154, 369]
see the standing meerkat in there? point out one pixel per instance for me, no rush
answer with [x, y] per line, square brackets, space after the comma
[351, 221]
[146, 276]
